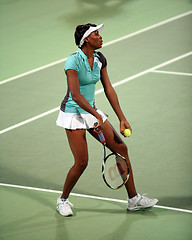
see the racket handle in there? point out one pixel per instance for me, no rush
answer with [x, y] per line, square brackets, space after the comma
[101, 136]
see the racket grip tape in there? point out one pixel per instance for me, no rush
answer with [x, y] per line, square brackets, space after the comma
[101, 136]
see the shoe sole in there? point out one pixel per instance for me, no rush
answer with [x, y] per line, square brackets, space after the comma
[138, 209]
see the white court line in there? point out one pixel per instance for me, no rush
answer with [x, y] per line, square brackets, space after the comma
[173, 73]
[89, 196]
[29, 120]
[104, 45]
[99, 91]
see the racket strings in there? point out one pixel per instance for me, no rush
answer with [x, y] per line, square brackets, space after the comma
[122, 167]
[116, 171]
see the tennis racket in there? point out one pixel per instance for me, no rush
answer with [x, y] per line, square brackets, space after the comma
[115, 170]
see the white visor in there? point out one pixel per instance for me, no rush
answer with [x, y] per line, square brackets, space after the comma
[89, 31]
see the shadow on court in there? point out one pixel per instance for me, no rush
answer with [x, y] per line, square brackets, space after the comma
[184, 202]
[102, 217]
[90, 9]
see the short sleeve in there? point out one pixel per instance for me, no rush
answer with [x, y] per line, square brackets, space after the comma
[102, 59]
[71, 63]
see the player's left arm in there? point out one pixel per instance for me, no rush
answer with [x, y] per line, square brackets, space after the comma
[113, 100]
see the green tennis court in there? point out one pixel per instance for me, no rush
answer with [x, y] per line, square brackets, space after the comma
[148, 48]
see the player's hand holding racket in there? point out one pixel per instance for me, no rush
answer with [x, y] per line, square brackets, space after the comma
[115, 170]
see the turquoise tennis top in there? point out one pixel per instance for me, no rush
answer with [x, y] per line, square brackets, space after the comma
[87, 79]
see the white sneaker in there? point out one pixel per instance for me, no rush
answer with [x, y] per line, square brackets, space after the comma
[64, 208]
[141, 202]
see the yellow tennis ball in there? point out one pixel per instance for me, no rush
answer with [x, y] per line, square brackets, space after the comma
[127, 132]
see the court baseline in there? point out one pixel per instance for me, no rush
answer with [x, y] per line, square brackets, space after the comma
[89, 196]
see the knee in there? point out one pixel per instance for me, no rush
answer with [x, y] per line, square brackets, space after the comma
[82, 164]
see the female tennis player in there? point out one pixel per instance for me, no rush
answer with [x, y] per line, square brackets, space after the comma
[78, 114]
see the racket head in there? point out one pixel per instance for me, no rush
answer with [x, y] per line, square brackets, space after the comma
[115, 171]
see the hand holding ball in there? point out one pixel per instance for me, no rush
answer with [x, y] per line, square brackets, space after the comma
[127, 132]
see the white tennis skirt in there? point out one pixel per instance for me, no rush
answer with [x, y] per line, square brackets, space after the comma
[75, 121]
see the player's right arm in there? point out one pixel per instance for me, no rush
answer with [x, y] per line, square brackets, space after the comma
[73, 82]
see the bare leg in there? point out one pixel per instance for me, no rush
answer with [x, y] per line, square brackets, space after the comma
[115, 143]
[78, 145]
